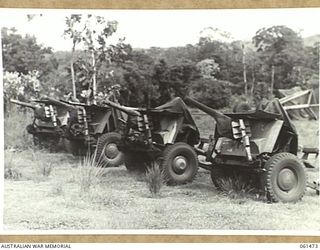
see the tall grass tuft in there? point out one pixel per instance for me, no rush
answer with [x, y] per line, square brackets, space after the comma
[236, 187]
[154, 179]
[90, 173]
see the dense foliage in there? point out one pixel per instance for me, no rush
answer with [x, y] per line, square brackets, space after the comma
[211, 71]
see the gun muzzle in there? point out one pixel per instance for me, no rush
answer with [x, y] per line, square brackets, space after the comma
[23, 104]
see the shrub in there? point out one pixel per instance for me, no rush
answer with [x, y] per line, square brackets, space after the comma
[211, 92]
[154, 179]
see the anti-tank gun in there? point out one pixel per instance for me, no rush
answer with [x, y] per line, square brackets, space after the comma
[88, 123]
[165, 134]
[50, 117]
[259, 145]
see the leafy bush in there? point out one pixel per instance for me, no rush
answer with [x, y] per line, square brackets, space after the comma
[154, 179]
[212, 92]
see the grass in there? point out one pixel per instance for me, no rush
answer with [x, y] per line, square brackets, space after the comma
[15, 135]
[90, 173]
[77, 194]
[154, 179]
[120, 202]
[10, 169]
[235, 187]
[43, 168]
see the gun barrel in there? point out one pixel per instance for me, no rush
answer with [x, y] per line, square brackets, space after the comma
[54, 102]
[127, 110]
[223, 122]
[24, 104]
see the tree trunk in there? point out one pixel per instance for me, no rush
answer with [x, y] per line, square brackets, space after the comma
[94, 78]
[253, 79]
[74, 91]
[319, 61]
[272, 81]
[244, 71]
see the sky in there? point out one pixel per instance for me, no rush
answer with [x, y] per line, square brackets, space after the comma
[164, 28]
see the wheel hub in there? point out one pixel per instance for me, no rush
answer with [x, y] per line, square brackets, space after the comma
[287, 179]
[180, 163]
[111, 150]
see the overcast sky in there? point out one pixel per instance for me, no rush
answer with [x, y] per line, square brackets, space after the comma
[164, 28]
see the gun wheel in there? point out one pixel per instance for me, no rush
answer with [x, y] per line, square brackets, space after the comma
[107, 151]
[179, 163]
[285, 178]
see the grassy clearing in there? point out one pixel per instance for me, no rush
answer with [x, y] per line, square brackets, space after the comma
[116, 199]
[122, 202]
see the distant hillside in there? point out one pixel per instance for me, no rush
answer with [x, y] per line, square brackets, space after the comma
[311, 40]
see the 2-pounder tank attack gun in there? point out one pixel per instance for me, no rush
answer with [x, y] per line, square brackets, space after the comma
[165, 134]
[49, 120]
[259, 145]
[87, 128]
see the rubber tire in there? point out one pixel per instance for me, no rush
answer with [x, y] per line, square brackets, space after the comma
[104, 140]
[135, 162]
[172, 151]
[273, 167]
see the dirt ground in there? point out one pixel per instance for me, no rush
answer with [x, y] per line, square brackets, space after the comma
[46, 194]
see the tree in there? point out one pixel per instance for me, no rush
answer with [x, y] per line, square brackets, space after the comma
[93, 32]
[212, 92]
[281, 47]
[75, 35]
[211, 34]
[24, 54]
[173, 80]
[133, 74]
[208, 68]
[20, 86]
